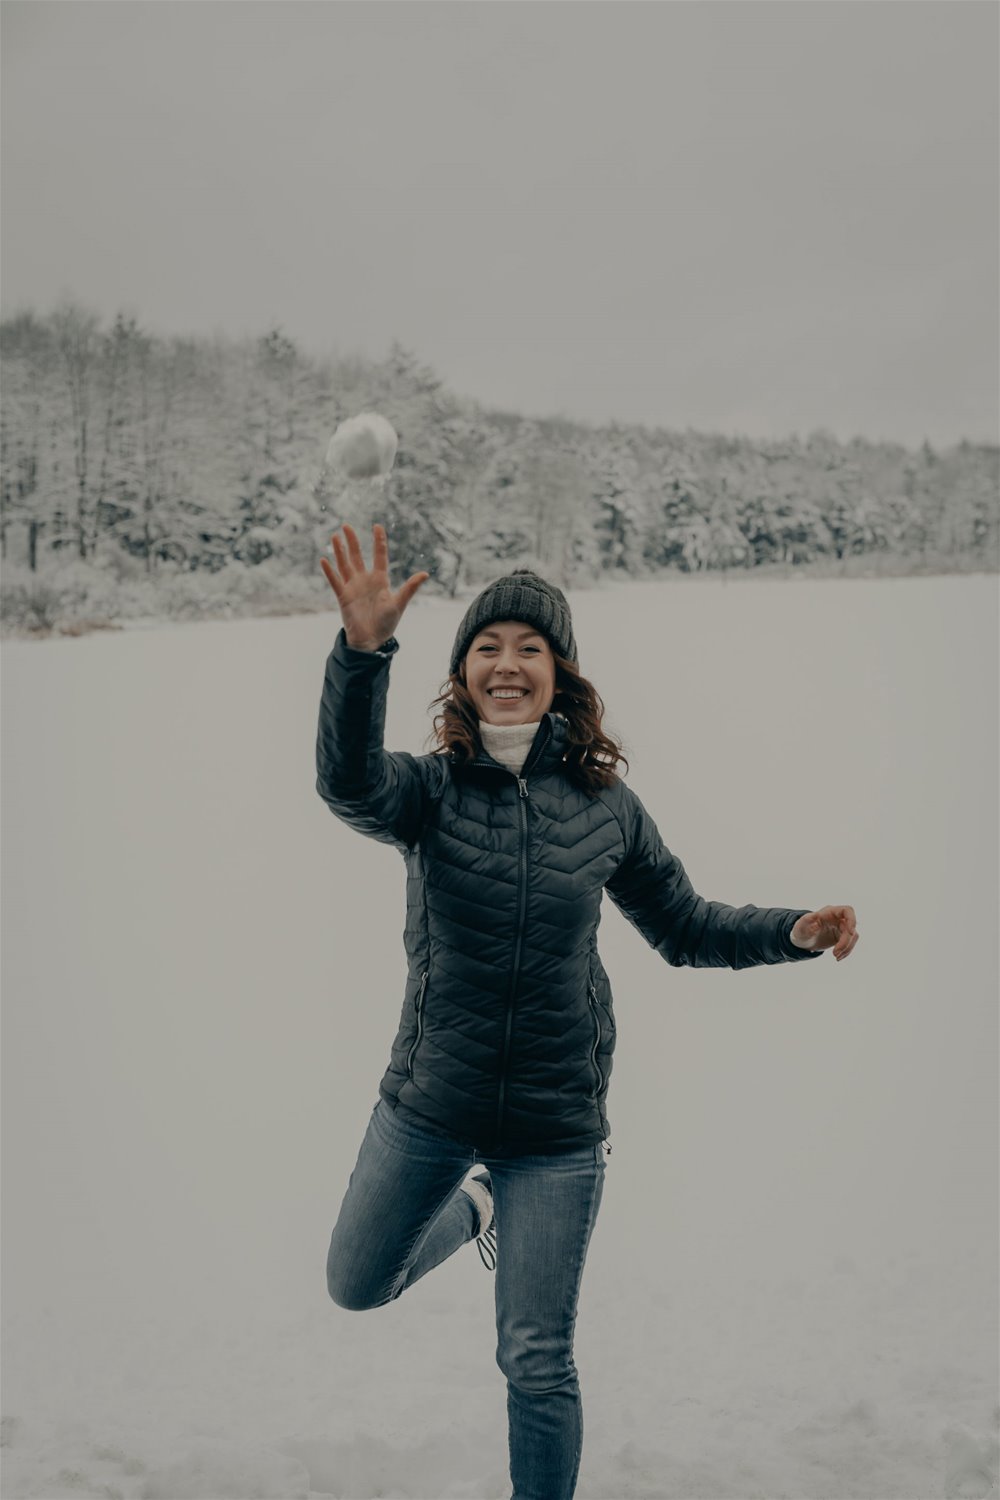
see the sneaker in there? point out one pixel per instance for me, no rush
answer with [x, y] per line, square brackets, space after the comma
[478, 1189]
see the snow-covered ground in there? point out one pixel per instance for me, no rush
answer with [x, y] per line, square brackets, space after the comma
[792, 1286]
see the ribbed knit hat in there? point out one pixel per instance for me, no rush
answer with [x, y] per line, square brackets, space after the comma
[520, 595]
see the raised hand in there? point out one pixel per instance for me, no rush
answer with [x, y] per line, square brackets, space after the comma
[824, 928]
[370, 611]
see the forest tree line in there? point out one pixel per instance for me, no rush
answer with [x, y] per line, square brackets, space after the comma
[151, 456]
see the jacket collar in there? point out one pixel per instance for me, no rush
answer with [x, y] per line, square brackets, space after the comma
[547, 749]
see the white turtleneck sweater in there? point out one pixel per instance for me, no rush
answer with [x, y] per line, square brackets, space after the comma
[508, 743]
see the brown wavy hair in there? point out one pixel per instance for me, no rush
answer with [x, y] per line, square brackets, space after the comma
[591, 756]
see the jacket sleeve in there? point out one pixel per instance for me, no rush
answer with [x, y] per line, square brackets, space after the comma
[378, 792]
[651, 888]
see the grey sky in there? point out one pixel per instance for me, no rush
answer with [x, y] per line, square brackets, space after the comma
[750, 217]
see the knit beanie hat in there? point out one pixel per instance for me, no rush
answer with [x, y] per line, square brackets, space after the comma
[520, 595]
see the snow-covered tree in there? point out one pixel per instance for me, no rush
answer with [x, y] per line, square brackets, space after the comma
[78, 343]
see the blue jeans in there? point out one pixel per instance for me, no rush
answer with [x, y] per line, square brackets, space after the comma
[403, 1214]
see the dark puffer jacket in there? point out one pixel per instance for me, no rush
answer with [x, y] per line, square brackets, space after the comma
[507, 1029]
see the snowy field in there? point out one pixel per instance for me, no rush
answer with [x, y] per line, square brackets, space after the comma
[791, 1292]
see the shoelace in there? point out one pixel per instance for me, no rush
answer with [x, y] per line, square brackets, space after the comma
[486, 1244]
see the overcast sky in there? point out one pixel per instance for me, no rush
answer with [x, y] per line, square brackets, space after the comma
[725, 214]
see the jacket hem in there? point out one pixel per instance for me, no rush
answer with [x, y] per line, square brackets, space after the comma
[483, 1145]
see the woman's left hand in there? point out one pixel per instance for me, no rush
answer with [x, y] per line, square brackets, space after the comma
[823, 928]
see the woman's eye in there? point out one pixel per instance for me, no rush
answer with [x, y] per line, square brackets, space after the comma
[523, 648]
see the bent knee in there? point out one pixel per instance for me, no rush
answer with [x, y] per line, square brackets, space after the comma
[352, 1299]
[352, 1294]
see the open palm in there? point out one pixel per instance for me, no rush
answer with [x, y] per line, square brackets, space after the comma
[369, 609]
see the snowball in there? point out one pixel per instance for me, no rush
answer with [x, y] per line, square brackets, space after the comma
[363, 447]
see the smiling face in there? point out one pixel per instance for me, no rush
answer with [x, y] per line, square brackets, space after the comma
[510, 654]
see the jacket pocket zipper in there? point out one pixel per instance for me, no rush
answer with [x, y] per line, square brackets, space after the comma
[419, 1008]
[597, 1040]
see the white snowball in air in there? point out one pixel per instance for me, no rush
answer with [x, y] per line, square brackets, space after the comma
[363, 447]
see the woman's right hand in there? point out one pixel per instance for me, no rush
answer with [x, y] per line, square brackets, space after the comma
[370, 611]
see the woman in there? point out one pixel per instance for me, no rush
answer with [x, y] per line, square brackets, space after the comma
[511, 833]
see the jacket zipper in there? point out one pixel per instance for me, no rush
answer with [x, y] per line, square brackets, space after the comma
[419, 1007]
[522, 786]
[522, 883]
[523, 790]
[597, 1042]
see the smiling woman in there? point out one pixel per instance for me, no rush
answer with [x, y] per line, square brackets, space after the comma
[505, 1046]
[518, 635]
[510, 674]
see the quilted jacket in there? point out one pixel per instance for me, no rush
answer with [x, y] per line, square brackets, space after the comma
[507, 1030]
